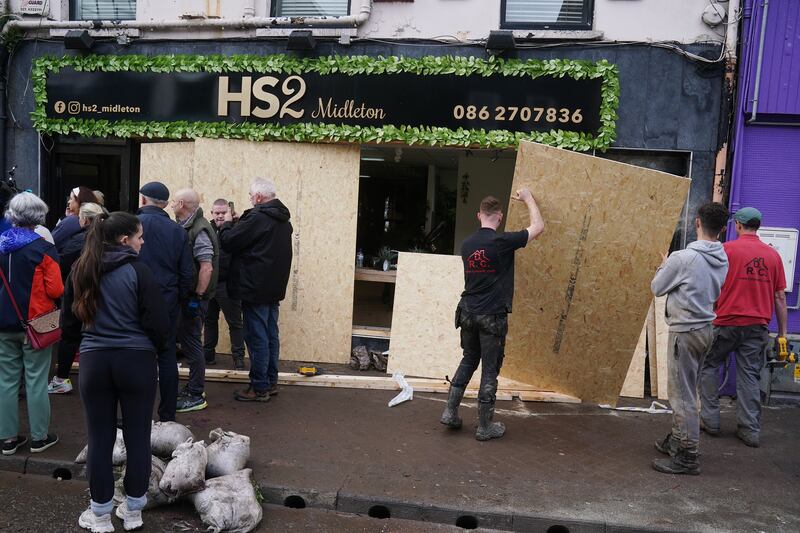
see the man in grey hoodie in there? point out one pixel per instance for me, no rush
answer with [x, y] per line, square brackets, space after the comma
[691, 279]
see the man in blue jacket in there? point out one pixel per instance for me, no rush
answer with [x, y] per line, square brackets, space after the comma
[166, 252]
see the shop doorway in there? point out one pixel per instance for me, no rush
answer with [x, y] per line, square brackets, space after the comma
[110, 167]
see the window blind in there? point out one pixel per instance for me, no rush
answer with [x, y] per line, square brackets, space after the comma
[544, 11]
[107, 9]
[312, 8]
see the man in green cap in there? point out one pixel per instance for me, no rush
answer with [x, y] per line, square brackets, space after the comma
[753, 289]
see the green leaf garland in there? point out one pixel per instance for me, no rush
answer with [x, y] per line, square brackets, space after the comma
[350, 65]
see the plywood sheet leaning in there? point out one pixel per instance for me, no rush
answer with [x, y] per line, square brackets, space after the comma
[319, 185]
[170, 163]
[662, 348]
[633, 386]
[582, 289]
[424, 341]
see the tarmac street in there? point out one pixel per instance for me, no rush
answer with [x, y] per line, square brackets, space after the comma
[575, 468]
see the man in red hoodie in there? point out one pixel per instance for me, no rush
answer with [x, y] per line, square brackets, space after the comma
[753, 289]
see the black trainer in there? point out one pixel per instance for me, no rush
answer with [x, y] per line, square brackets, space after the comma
[39, 446]
[10, 446]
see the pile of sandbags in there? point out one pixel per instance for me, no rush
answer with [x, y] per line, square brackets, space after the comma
[213, 477]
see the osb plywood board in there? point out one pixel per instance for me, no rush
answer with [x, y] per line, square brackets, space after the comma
[651, 349]
[582, 289]
[170, 163]
[319, 185]
[424, 341]
[662, 347]
[633, 386]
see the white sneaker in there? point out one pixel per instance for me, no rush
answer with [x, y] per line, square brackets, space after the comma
[59, 386]
[96, 524]
[130, 519]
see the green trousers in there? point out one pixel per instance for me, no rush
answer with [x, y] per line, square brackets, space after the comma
[15, 356]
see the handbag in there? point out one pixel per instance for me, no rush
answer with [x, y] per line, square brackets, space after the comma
[42, 330]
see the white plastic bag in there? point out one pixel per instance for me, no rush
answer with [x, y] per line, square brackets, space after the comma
[155, 496]
[187, 471]
[407, 392]
[228, 452]
[166, 436]
[229, 503]
[120, 454]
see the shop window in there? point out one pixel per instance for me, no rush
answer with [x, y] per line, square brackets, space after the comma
[310, 8]
[103, 9]
[547, 14]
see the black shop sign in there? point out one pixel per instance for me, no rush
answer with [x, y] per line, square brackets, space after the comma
[513, 103]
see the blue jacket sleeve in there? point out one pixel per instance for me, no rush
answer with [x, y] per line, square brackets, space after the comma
[152, 308]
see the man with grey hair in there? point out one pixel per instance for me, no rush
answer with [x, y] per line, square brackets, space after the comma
[260, 244]
[166, 252]
[205, 253]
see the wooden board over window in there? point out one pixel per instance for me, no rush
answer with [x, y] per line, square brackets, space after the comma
[582, 289]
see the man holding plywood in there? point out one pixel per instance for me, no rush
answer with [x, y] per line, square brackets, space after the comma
[482, 313]
[691, 279]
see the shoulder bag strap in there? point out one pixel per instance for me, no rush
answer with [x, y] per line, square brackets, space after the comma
[11, 295]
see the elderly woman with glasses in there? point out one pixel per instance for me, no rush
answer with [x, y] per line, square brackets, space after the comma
[30, 266]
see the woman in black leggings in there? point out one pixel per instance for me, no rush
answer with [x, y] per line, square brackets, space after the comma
[114, 308]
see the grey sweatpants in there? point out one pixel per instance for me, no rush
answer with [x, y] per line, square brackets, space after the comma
[686, 353]
[750, 344]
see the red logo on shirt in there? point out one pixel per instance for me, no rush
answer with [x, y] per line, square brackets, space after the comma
[757, 266]
[479, 261]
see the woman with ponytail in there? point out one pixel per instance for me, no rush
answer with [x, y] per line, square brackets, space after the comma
[113, 307]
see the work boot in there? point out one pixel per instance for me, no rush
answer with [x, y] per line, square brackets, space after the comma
[683, 462]
[710, 430]
[486, 428]
[750, 438]
[238, 362]
[450, 415]
[668, 445]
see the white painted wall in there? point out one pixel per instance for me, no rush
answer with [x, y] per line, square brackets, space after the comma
[621, 20]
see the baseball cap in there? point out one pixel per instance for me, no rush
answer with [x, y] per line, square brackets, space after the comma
[746, 215]
[155, 190]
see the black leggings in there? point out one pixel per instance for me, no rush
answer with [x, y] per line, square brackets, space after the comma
[109, 377]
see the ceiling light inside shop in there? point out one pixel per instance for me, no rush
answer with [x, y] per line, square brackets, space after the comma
[372, 158]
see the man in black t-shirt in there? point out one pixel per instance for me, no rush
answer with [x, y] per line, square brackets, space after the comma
[482, 313]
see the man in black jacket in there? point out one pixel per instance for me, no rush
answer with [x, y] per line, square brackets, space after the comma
[260, 244]
[166, 252]
[231, 308]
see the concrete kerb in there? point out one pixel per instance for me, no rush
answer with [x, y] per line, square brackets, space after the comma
[278, 495]
[42, 466]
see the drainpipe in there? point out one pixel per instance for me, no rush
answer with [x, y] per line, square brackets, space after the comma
[731, 36]
[3, 64]
[759, 62]
[349, 21]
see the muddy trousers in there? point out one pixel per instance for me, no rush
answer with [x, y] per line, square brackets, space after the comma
[483, 339]
[750, 344]
[126, 378]
[685, 355]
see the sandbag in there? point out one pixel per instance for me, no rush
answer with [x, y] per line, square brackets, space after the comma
[186, 472]
[166, 436]
[227, 454]
[155, 496]
[120, 455]
[229, 503]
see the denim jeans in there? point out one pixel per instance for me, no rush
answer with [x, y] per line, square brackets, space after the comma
[168, 365]
[190, 331]
[261, 337]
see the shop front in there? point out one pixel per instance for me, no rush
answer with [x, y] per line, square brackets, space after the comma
[375, 151]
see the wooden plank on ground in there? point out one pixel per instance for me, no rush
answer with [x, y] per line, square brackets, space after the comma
[652, 353]
[424, 340]
[582, 288]
[662, 348]
[633, 387]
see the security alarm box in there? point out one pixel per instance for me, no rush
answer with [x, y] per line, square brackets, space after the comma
[33, 7]
[784, 240]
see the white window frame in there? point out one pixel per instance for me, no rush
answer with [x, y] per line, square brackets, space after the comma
[274, 9]
[586, 24]
[75, 8]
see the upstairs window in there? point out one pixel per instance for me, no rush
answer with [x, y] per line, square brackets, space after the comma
[103, 9]
[310, 8]
[547, 14]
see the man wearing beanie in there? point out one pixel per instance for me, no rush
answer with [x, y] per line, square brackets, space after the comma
[753, 289]
[166, 252]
